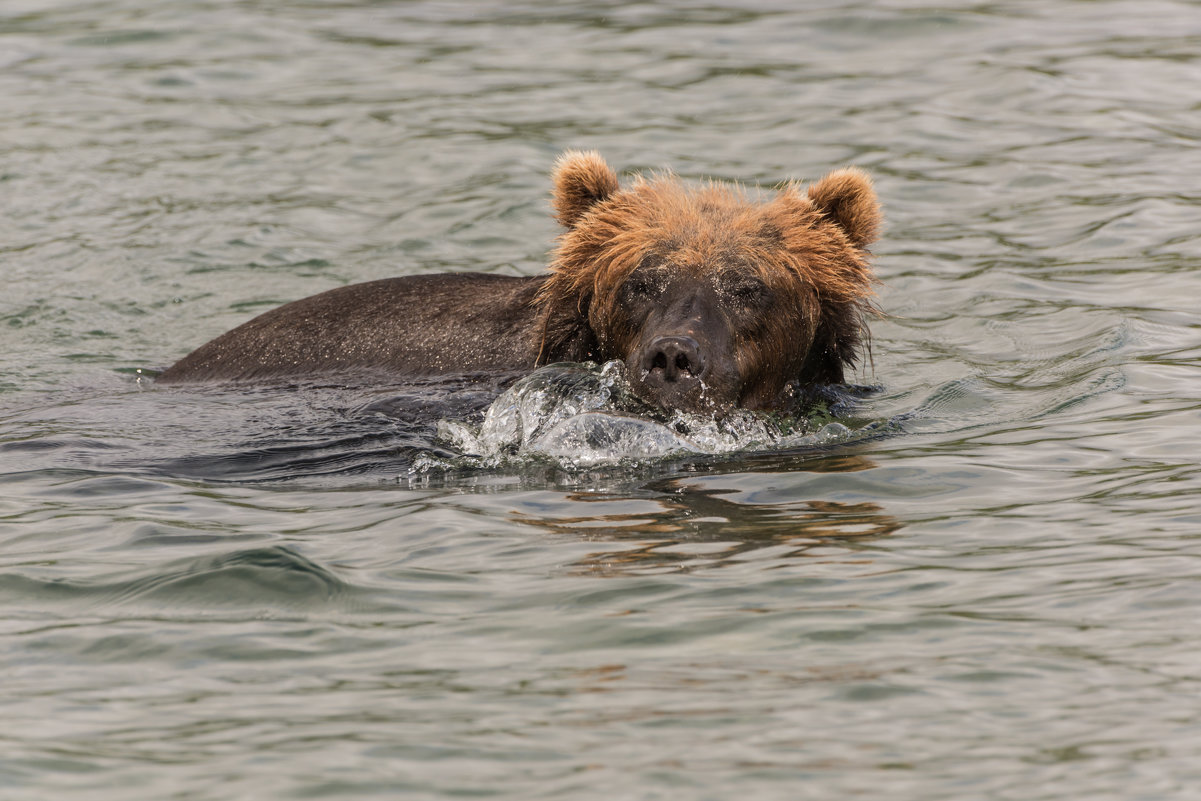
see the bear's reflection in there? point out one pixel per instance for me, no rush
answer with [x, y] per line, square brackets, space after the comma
[689, 524]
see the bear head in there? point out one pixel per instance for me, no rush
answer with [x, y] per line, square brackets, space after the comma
[712, 299]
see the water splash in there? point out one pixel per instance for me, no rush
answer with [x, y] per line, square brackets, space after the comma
[580, 416]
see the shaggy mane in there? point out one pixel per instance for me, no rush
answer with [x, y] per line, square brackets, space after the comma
[792, 244]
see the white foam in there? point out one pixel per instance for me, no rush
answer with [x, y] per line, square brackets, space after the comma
[582, 416]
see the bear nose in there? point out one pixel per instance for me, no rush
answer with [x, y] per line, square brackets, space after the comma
[674, 358]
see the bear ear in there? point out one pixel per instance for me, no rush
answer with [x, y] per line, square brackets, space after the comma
[846, 198]
[582, 179]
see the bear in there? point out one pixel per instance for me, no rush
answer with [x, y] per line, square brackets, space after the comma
[713, 299]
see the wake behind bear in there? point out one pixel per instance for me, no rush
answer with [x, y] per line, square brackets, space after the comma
[712, 300]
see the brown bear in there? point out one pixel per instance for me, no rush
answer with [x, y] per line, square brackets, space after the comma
[712, 300]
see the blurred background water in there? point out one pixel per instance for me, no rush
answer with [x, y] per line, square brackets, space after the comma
[230, 595]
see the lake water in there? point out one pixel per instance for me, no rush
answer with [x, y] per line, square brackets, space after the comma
[987, 585]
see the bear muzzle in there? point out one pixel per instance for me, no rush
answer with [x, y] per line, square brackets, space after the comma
[673, 359]
[682, 371]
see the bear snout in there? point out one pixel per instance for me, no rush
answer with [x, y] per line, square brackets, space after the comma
[680, 371]
[674, 358]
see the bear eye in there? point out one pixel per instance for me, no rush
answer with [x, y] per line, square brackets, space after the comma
[748, 292]
[644, 284]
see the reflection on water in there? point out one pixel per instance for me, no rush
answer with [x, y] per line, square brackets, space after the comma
[680, 525]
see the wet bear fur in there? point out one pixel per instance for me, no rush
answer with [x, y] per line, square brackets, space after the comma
[712, 299]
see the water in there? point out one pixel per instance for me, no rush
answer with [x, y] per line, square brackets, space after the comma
[984, 587]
